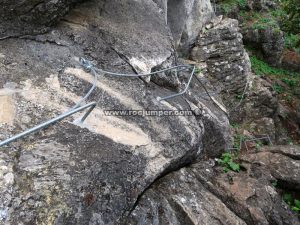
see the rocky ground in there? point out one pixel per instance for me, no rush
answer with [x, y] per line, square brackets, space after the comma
[135, 170]
[203, 194]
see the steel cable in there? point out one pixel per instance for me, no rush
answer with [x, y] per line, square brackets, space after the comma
[79, 107]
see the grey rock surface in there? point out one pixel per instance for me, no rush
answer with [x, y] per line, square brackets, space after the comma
[259, 102]
[204, 194]
[282, 162]
[127, 169]
[95, 172]
[220, 45]
[181, 199]
[270, 41]
[261, 4]
[186, 18]
[31, 16]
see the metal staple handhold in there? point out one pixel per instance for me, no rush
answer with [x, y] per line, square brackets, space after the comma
[264, 137]
[88, 66]
[245, 140]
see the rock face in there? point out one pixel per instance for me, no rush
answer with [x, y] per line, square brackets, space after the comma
[28, 16]
[186, 18]
[269, 40]
[204, 194]
[93, 173]
[124, 169]
[261, 4]
[221, 47]
[259, 102]
[265, 37]
[291, 60]
[282, 162]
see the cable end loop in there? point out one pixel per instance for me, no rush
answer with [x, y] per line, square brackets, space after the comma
[86, 64]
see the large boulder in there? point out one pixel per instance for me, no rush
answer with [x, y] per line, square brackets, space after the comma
[282, 162]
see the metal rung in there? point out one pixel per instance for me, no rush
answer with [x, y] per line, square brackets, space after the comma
[91, 106]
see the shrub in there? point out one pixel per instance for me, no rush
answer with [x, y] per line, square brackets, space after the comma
[292, 42]
[291, 19]
[294, 204]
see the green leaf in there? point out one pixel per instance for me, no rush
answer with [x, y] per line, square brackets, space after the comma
[198, 70]
[226, 170]
[296, 209]
[275, 183]
[287, 197]
[221, 162]
[297, 203]
[234, 166]
[226, 157]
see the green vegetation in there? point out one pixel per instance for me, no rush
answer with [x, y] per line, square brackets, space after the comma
[286, 83]
[294, 204]
[274, 183]
[271, 22]
[286, 17]
[235, 125]
[277, 88]
[289, 82]
[237, 139]
[261, 68]
[292, 42]
[277, 13]
[291, 17]
[263, 23]
[228, 5]
[227, 162]
[198, 70]
[258, 145]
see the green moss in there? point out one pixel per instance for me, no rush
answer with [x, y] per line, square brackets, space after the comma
[290, 82]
